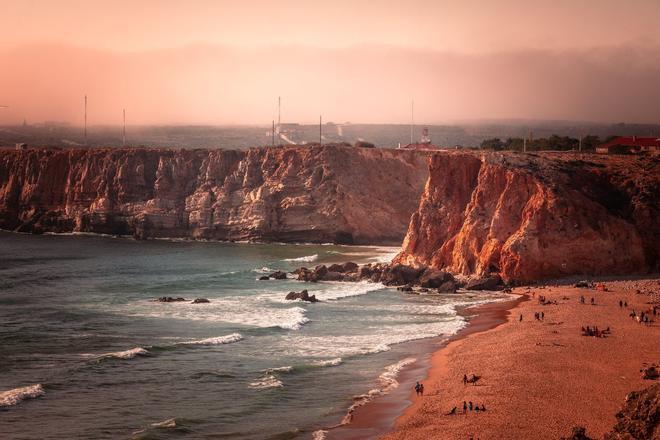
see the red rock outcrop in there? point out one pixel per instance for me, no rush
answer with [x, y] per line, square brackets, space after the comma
[311, 194]
[537, 216]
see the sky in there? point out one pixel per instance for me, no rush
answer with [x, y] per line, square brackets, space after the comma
[226, 62]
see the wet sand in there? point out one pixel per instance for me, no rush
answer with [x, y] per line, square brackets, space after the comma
[378, 416]
[538, 378]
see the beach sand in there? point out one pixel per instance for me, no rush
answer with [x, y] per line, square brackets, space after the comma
[539, 378]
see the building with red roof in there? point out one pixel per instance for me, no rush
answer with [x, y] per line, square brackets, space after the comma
[629, 144]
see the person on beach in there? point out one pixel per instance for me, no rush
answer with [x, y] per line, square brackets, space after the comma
[465, 379]
[483, 407]
[620, 303]
[542, 316]
[520, 320]
[452, 412]
[464, 407]
[470, 405]
[625, 304]
[417, 388]
[421, 389]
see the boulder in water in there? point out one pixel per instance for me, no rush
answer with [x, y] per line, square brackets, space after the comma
[278, 275]
[304, 296]
[264, 278]
[448, 287]
[434, 278]
[200, 301]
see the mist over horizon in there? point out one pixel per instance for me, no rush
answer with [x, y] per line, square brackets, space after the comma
[219, 63]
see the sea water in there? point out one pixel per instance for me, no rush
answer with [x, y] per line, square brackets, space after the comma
[86, 352]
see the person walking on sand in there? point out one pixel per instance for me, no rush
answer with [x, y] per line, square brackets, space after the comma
[421, 389]
[417, 386]
[542, 316]
[620, 303]
[465, 379]
[464, 407]
[470, 405]
[520, 319]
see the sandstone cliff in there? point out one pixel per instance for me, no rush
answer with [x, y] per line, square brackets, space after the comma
[311, 194]
[530, 217]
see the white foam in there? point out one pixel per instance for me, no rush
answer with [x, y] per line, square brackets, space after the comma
[17, 395]
[263, 270]
[169, 423]
[265, 382]
[127, 354]
[387, 381]
[234, 337]
[319, 435]
[286, 369]
[328, 363]
[305, 259]
[253, 311]
[388, 377]
[379, 339]
[340, 289]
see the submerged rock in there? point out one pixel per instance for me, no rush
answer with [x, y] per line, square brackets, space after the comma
[200, 301]
[167, 299]
[264, 278]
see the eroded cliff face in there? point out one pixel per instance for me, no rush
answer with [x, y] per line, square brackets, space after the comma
[312, 194]
[533, 217]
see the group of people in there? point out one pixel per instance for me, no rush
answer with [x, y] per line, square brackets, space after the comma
[544, 301]
[467, 406]
[594, 331]
[539, 316]
[643, 317]
[583, 301]
[473, 380]
[419, 389]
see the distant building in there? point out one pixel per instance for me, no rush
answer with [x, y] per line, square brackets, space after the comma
[22, 146]
[629, 144]
[420, 146]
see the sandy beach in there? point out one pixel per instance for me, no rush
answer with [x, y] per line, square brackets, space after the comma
[539, 378]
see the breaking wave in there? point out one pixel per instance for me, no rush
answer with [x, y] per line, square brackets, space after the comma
[328, 363]
[305, 259]
[127, 354]
[265, 382]
[17, 395]
[234, 337]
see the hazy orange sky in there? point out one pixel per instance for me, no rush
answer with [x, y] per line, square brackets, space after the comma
[223, 62]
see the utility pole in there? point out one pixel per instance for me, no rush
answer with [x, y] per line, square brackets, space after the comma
[273, 134]
[123, 135]
[85, 130]
[412, 121]
[279, 112]
[321, 130]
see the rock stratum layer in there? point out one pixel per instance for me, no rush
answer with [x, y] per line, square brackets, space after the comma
[531, 217]
[292, 194]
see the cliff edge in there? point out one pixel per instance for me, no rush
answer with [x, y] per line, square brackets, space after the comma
[530, 217]
[293, 194]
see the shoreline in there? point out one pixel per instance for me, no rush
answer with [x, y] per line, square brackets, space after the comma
[540, 378]
[379, 416]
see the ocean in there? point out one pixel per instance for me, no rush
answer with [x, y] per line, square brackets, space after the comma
[86, 352]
